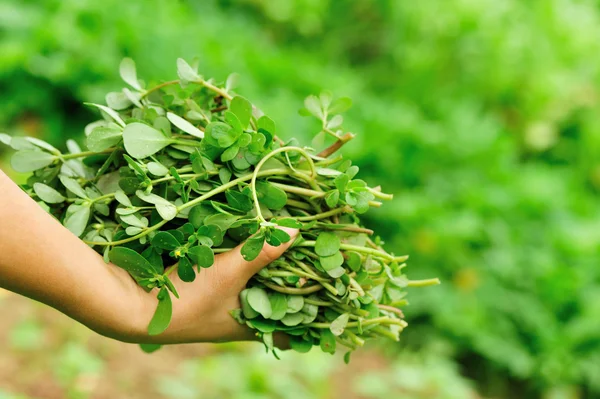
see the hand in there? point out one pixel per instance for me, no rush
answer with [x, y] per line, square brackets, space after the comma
[202, 312]
[41, 259]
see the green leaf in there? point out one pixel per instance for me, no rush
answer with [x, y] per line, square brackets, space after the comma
[338, 325]
[110, 112]
[142, 140]
[164, 240]
[73, 186]
[266, 123]
[295, 303]
[249, 313]
[233, 121]
[259, 300]
[137, 266]
[332, 198]
[279, 237]
[184, 125]
[213, 232]
[26, 161]
[239, 200]
[265, 326]
[157, 169]
[128, 73]
[16, 143]
[222, 133]
[272, 197]
[76, 219]
[165, 209]
[117, 100]
[327, 341]
[353, 260]
[340, 105]
[150, 348]
[232, 81]
[288, 222]
[347, 357]
[48, 194]
[221, 220]
[292, 319]
[103, 137]
[230, 153]
[185, 72]
[242, 109]
[300, 345]
[327, 244]
[202, 255]
[185, 270]
[42, 144]
[278, 305]
[313, 105]
[333, 261]
[252, 247]
[164, 311]
[341, 182]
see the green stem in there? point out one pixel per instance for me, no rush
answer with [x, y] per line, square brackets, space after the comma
[298, 204]
[230, 184]
[324, 215]
[376, 320]
[379, 194]
[356, 248]
[385, 333]
[66, 157]
[424, 283]
[126, 240]
[293, 291]
[158, 87]
[317, 302]
[260, 165]
[357, 287]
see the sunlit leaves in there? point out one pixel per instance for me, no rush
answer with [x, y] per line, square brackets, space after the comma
[142, 140]
[128, 73]
[162, 316]
[29, 160]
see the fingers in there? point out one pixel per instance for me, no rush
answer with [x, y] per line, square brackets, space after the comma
[233, 264]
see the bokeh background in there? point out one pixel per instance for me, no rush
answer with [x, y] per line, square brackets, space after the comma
[481, 116]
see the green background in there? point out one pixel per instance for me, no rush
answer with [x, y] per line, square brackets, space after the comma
[481, 116]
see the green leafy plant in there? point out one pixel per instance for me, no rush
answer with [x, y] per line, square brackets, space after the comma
[183, 170]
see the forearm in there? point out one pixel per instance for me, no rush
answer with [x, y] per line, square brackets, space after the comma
[41, 259]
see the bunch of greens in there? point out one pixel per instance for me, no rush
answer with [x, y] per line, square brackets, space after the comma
[178, 172]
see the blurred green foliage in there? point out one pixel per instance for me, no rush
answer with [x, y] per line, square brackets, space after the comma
[480, 115]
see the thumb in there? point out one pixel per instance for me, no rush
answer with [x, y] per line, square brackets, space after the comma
[234, 265]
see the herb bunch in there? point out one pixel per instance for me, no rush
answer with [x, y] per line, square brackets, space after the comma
[186, 169]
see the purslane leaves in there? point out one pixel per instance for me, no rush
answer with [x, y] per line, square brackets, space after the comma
[170, 179]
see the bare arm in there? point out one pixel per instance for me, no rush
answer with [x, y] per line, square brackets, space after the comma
[41, 259]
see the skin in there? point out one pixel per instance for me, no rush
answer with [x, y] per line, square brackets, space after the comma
[42, 260]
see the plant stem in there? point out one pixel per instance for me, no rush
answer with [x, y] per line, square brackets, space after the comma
[337, 145]
[323, 215]
[379, 194]
[424, 283]
[317, 302]
[66, 157]
[298, 204]
[391, 309]
[126, 240]
[356, 248]
[160, 86]
[293, 291]
[260, 165]
[376, 320]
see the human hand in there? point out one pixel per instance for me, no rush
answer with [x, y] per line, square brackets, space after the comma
[202, 312]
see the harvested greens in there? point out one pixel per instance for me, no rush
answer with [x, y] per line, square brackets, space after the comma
[186, 169]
